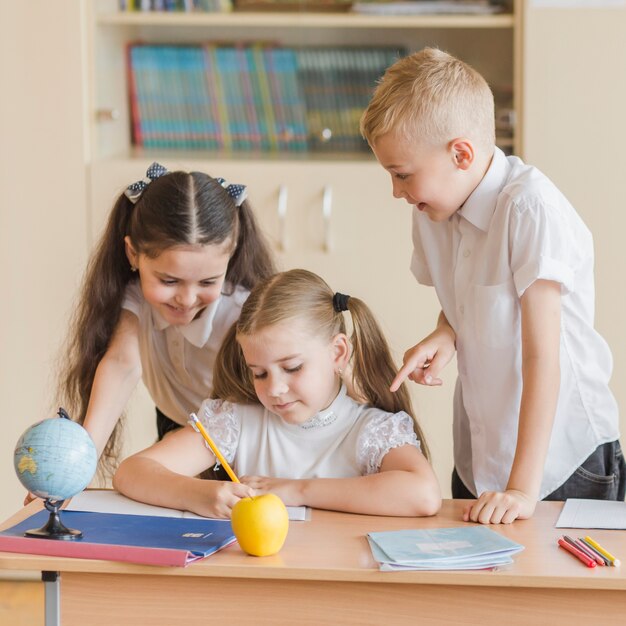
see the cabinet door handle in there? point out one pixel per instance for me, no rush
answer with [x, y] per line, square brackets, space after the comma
[281, 209]
[107, 115]
[327, 207]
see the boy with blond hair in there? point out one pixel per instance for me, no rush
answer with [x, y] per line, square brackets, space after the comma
[512, 265]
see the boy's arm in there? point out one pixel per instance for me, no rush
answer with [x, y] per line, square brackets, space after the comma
[164, 475]
[541, 326]
[424, 361]
[405, 486]
[116, 377]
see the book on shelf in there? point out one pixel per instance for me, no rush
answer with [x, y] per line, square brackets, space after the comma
[428, 7]
[459, 548]
[187, 6]
[305, 6]
[251, 97]
[141, 539]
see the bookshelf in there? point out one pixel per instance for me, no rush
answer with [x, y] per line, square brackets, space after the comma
[332, 213]
[489, 42]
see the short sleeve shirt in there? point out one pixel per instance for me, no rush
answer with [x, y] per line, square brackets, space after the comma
[515, 228]
[346, 439]
[177, 361]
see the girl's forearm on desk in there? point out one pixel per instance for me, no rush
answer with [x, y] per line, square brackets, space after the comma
[387, 493]
[147, 480]
[405, 486]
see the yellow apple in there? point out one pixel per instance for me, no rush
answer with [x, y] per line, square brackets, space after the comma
[260, 524]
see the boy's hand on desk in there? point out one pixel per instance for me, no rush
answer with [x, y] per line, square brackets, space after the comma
[288, 490]
[496, 507]
[423, 362]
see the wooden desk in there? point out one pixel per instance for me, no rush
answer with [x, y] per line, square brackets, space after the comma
[325, 574]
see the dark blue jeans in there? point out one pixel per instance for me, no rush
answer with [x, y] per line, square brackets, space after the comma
[602, 476]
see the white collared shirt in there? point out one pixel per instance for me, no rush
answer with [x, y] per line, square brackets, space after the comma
[177, 361]
[515, 228]
[344, 440]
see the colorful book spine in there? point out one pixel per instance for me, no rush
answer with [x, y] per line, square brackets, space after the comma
[251, 97]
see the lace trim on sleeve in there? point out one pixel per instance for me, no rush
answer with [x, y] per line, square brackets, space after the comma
[381, 434]
[223, 425]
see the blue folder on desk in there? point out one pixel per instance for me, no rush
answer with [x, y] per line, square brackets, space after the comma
[460, 548]
[131, 538]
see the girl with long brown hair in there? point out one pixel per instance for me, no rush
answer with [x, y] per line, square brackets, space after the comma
[178, 256]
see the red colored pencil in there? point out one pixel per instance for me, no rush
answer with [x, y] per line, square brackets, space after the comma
[581, 556]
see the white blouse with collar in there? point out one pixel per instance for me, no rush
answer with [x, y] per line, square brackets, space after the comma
[346, 439]
[177, 361]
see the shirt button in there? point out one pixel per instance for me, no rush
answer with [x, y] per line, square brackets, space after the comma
[462, 309]
[466, 253]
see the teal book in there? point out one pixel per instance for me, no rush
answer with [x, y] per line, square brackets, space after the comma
[464, 547]
[131, 538]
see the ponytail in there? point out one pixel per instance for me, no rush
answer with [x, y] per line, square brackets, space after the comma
[373, 367]
[252, 260]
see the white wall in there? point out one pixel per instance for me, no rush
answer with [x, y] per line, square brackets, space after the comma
[42, 210]
[575, 129]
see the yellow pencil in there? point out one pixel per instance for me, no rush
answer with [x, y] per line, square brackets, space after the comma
[615, 562]
[198, 427]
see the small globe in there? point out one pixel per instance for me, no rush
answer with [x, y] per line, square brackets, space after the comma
[55, 459]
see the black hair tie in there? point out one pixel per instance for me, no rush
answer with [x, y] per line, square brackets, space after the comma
[340, 302]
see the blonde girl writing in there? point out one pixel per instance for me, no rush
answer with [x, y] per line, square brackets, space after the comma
[285, 422]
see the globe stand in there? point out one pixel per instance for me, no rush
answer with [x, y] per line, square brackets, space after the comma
[54, 527]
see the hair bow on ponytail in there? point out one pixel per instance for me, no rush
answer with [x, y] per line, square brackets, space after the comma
[133, 191]
[237, 192]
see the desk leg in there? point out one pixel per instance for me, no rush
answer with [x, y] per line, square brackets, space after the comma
[52, 584]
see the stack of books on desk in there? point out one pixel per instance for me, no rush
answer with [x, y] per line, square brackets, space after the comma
[462, 548]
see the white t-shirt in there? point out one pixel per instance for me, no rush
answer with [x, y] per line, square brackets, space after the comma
[516, 227]
[346, 439]
[177, 361]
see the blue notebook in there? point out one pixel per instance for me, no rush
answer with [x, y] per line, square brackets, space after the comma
[464, 547]
[131, 538]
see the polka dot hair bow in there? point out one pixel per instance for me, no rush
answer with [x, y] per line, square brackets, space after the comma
[133, 191]
[237, 192]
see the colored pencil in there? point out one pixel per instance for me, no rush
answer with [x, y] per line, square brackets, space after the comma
[581, 556]
[615, 562]
[585, 550]
[592, 549]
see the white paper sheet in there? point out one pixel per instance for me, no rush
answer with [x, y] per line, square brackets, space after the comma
[110, 501]
[579, 513]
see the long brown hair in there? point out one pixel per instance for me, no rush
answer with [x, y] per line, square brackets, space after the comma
[300, 294]
[177, 209]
